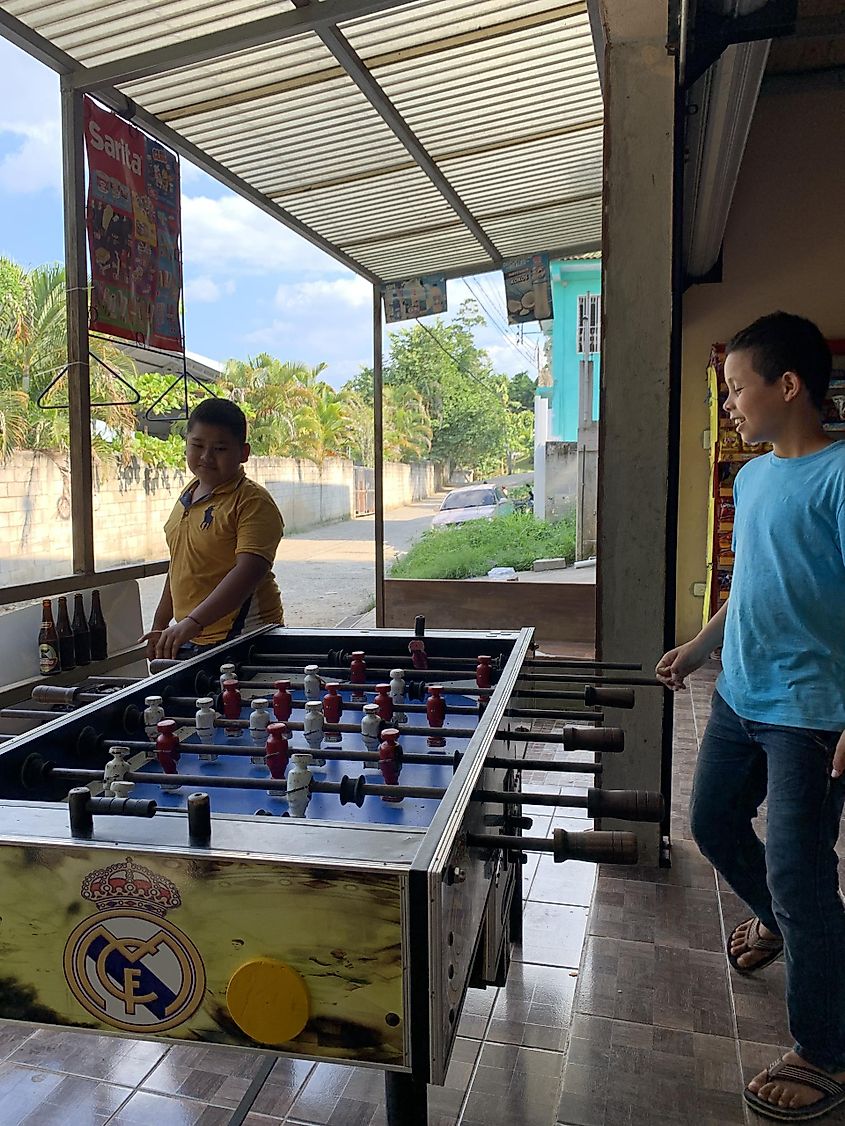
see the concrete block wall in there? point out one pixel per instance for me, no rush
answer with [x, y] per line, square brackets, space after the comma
[132, 502]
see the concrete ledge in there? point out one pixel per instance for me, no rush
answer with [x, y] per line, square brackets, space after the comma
[553, 564]
[559, 612]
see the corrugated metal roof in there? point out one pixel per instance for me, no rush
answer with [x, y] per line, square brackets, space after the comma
[434, 136]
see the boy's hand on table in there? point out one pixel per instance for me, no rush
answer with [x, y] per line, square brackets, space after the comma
[166, 643]
[839, 758]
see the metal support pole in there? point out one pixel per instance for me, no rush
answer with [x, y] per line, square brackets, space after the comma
[79, 371]
[378, 453]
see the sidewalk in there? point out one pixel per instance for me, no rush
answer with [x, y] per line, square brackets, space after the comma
[328, 573]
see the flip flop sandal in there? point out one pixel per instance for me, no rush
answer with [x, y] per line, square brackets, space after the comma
[834, 1093]
[772, 947]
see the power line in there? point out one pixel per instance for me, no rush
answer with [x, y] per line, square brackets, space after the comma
[497, 325]
[457, 363]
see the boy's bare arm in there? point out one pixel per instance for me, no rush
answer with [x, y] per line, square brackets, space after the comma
[229, 594]
[161, 618]
[678, 663]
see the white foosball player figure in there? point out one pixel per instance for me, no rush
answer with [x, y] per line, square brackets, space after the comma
[312, 684]
[153, 714]
[205, 717]
[259, 720]
[227, 672]
[397, 694]
[371, 729]
[314, 725]
[299, 784]
[115, 770]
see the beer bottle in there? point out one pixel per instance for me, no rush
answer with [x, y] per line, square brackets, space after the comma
[48, 642]
[97, 628]
[67, 647]
[81, 635]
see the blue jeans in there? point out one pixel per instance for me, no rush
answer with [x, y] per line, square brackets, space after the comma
[791, 883]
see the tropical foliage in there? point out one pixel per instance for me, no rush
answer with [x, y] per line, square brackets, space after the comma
[442, 397]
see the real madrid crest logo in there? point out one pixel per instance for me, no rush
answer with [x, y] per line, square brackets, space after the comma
[127, 965]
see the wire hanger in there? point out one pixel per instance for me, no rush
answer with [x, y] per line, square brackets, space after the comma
[44, 405]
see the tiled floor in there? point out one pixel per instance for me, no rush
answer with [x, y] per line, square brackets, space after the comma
[651, 1031]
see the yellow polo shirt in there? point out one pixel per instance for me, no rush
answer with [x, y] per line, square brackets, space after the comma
[204, 539]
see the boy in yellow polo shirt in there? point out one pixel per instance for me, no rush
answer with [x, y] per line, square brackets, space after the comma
[222, 535]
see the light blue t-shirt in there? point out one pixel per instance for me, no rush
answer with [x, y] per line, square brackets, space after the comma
[783, 655]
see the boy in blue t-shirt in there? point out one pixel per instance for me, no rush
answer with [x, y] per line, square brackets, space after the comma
[776, 727]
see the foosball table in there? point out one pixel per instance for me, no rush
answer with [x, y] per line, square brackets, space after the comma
[307, 842]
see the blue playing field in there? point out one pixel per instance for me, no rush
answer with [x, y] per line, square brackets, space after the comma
[324, 807]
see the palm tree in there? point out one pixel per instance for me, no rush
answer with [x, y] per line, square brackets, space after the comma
[277, 397]
[33, 351]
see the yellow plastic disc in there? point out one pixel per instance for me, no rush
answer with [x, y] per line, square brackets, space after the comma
[268, 1001]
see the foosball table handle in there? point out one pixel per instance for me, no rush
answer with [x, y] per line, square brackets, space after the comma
[627, 805]
[609, 697]
[596, 847]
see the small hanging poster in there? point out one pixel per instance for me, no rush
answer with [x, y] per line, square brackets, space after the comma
[528, 290]
[414, 297]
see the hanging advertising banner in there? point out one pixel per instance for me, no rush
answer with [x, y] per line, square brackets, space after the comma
[134, 233]
[415, 297]
[528, 289]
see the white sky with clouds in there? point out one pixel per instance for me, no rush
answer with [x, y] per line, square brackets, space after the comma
[250, 283]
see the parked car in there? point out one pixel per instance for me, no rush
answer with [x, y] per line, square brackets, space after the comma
[473, 502]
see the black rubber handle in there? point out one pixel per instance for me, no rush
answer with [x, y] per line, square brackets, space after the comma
[611, 739]
[125, 807]
[598, 848]
[54, 694]
[162, 664]
[627, 805]
[419, 625]
[609, 697]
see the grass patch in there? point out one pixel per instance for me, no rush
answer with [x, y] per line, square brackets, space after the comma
[469, 551]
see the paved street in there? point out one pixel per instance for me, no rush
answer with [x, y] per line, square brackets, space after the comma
[327, 574]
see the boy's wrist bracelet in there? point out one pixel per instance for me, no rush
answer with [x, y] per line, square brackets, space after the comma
[194, 620]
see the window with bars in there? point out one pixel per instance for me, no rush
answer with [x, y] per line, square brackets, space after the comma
[589, 323]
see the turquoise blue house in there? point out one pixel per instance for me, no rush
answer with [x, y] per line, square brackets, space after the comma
[576, 300]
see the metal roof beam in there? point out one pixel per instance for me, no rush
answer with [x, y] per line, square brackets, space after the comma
[229, 41]
[384, 107]
[59, 61]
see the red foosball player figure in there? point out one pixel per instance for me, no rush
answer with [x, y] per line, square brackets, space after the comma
[332, 711]
[232, 704]
[435, 710]
[483, 672]
[167, 752]
[282, 701]
[390, 761]
[357, 673]
[384, 702]
[277, 754]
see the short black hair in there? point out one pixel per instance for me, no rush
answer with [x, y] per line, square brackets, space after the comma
[781, 342]
[220, 412]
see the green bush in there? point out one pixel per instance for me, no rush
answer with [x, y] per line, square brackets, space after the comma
[472, 549]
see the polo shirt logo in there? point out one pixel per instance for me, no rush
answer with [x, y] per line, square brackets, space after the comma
[208, 516]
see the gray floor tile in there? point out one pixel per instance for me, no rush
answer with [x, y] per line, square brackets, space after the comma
[760, 1004]
[571, 882]
[145, 1108]
[534, 1008]
[661, 985]
[553, 935]
[13, 1034]
[34, 1097]
[619, 1072]
[513, 1085]
[476, 1012]
[78, 1052]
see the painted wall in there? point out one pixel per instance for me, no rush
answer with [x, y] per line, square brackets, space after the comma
[132, 504]
[784, 249]
[570, 280]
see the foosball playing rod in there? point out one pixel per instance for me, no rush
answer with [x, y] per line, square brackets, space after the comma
[595, 847]
[343, 656]
[629, 805]
[326, 672]
[589, 694]
[345, 754]
[609, 739]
